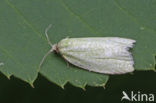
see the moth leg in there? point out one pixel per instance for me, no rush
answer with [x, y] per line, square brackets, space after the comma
[67, 64]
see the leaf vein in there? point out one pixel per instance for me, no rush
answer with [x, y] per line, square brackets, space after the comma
[90, 28]
[11, 57]
[19, 13]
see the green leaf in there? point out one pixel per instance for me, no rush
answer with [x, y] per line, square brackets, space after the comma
[23, 42]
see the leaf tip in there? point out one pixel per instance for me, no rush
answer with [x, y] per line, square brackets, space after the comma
[8, 76]
[62, 85]
[31, 84]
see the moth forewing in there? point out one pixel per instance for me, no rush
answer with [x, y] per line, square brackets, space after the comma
[108, 55]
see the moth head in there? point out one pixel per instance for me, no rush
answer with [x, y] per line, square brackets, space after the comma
[54, 48]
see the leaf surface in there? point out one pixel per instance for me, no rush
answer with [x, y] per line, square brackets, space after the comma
[23, 42]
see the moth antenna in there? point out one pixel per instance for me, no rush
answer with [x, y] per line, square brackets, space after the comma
[51, 50]
[44, 58]
[46, 33]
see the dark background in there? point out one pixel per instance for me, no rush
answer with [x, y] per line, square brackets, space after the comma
[17, 91]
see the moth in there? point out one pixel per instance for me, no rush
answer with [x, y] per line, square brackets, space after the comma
[108, 55]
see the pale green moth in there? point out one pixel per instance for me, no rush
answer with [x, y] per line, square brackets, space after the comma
[108, 55]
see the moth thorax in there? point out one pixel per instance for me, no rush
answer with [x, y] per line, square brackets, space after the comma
[54, 48]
